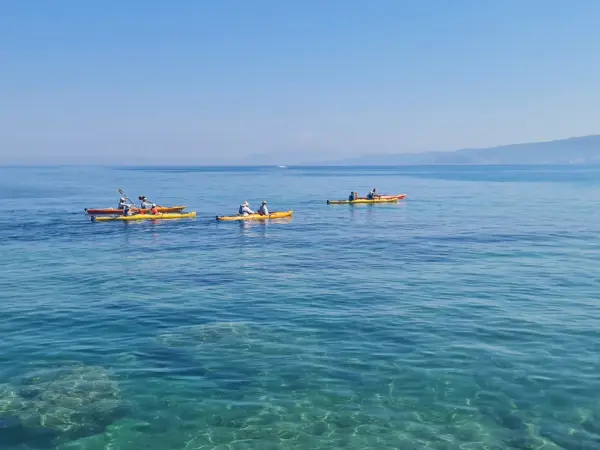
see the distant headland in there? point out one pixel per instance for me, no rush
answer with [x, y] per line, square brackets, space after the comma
[576, 150]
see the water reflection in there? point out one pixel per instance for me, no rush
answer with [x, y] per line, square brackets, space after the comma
[261, 227]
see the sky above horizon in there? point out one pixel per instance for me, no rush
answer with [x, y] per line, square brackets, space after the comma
[199, 82]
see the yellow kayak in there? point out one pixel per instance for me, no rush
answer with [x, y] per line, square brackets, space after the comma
[164, 216]
[386, 199]
[273, 215]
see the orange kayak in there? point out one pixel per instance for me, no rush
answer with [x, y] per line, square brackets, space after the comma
[119, 212]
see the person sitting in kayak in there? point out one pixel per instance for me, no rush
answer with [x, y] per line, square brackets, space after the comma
[145, 202]
[245, 210]
[373, 194]
[130, 210]
[263, 210]
[123, 202]
[154, 209]
[353, 196]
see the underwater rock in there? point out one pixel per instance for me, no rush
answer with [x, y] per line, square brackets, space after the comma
[52, 406]
[170, 360]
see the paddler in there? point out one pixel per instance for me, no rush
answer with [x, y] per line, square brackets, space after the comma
[145, 203]
[123, 202]
[154, 209]
[353, 196]
[245, 210]
[263, 210]
[373, 194]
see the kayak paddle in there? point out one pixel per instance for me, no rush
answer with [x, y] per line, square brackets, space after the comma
[123, 194]
[126, 198]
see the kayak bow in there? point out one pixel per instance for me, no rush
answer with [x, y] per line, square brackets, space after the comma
[162, 209]
[164, 216]
[273, 215]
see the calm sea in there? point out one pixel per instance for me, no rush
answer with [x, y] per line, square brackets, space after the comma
[466, 317]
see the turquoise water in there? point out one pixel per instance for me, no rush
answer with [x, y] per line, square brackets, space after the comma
[463, 318]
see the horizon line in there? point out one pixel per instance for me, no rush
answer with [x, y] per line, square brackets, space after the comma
[292, 166]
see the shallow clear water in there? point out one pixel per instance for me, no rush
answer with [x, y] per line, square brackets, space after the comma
[463, 318]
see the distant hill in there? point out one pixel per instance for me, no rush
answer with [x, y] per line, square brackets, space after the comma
[577, 150]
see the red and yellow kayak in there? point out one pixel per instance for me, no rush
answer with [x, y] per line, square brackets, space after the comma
[119, 212]
[162, 216]
[382, 199]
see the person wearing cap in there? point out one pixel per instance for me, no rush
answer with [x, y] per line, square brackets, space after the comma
[263, 210]
[154, 209]
[123, 202]
[373, 194]
[145, 203]
[245, 210]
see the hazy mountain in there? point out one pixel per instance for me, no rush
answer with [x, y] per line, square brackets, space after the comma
[577, 150]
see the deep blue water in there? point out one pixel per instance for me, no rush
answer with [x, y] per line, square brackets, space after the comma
[465, 317]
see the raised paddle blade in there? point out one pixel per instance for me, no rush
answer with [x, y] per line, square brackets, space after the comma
[121, 192]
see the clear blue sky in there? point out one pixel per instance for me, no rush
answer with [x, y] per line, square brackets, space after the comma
[189, 81]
